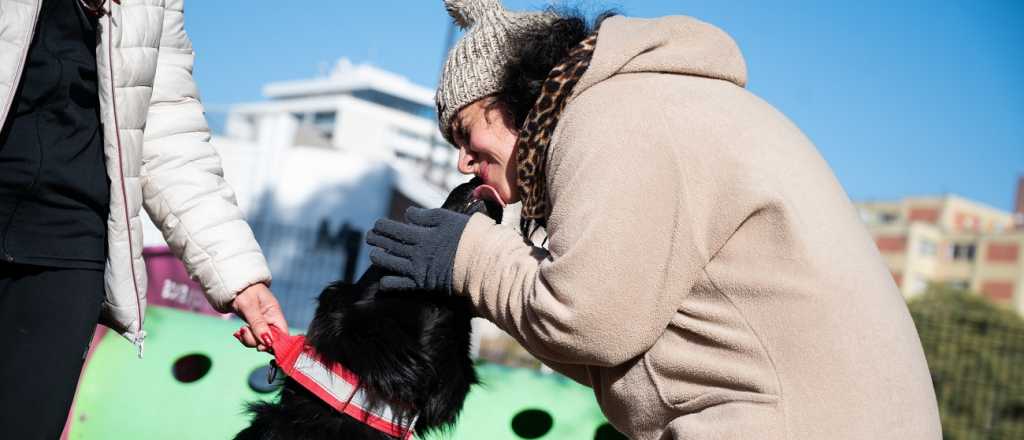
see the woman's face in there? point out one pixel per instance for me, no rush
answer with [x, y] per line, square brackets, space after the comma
[485, 135]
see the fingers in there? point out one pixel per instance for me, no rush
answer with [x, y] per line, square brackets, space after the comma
[424, 217]
[397, 283]
[418, 216]
[391, 246]
[261, 328]
[274, 315]
[249, 305]
[246, 337]
[397, 231]
[389, 262]
[430, 218]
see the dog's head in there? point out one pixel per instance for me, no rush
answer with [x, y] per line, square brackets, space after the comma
[408, 346]
[473, 197]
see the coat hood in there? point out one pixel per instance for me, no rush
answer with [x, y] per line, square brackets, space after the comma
[679, 45]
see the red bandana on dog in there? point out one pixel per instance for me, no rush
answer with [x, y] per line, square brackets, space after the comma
[335, 385]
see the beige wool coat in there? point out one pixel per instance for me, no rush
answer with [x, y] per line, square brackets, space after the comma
[705, 272]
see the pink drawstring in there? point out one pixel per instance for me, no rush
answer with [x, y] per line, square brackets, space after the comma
[95, 7]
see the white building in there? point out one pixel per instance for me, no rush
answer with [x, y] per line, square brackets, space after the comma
[357, 111]
[359, 129]
[343, 149]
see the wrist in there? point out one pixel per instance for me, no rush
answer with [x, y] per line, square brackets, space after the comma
[250, 290]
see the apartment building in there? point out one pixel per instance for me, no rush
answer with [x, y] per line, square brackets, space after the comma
[952, 240]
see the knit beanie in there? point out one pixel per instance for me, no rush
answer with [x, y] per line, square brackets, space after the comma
[475, 64]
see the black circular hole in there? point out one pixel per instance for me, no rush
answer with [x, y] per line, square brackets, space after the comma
[258, 380]
[608, 432]
[192, 367]
[531, 423]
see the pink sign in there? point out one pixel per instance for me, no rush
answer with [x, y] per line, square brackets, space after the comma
[170, 286]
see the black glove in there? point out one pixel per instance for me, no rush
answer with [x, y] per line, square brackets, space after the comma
[420, 253]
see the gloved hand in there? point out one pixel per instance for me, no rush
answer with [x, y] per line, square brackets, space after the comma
[421, 252]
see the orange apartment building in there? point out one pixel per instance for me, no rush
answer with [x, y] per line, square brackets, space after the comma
[952, 240]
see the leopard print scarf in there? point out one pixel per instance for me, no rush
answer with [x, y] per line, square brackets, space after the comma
[535, 135]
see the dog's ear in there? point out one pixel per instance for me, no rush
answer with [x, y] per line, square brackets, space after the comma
[334, 299]
[337, 293]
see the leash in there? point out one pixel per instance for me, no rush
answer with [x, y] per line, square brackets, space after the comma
[333, 384]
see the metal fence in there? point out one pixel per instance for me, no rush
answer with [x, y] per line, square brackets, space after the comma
[975, 354]
[305, 259]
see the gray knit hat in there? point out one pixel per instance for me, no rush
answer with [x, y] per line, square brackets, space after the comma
[475, 65]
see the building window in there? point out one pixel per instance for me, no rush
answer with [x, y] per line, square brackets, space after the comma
[324, 118]
[926, 248]
[397, 103]
[971, 223]
[963, 251]
[877, 218]
[316, 129]
[324, 123]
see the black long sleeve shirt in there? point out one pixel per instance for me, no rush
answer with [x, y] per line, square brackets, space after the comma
[54, 189]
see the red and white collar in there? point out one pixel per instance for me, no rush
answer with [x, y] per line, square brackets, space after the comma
[335, 385]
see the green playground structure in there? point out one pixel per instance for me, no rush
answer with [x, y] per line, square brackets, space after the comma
[195, 380]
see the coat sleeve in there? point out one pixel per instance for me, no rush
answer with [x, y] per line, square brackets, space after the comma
[183, 184]
[620, 256]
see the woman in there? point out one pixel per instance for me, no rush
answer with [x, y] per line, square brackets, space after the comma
[704, 272]
[100, 117]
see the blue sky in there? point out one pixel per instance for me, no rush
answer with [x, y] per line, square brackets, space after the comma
[901, 97]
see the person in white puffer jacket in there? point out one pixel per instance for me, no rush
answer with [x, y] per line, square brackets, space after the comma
[101, 117]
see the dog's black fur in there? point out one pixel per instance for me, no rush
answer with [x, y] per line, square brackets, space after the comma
[410, 349]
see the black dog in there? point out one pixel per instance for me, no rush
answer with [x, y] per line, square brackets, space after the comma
[409, 349]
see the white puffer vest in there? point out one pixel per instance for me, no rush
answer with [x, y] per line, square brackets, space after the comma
[158, 155]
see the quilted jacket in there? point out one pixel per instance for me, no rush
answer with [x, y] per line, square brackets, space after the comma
[158, 155]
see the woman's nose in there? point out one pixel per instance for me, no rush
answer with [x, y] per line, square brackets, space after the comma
[466, 162]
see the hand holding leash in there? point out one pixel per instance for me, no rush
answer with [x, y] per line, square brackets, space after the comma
[419, 252]
[260, 309]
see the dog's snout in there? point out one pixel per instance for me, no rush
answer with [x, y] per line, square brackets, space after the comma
[463, 200]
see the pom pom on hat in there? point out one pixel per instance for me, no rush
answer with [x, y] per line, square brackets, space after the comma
[466, 13]
[475, 64]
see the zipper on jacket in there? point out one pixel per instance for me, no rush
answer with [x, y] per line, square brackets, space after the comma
[120, 165]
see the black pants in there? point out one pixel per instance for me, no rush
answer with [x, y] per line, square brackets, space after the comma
[47, 318]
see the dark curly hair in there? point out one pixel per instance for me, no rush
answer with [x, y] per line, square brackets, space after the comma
[539, 51]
